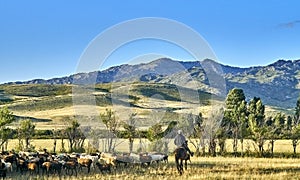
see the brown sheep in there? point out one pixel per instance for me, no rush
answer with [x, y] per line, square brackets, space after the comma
[85, 162]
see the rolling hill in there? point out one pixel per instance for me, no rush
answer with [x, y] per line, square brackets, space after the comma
[166, 87]
[276, 84]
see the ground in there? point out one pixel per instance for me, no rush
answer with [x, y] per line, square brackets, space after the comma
[199, 168]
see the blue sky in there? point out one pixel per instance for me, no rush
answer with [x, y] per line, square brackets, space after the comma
[45, 39]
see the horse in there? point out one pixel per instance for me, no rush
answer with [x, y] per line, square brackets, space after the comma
[180, 156]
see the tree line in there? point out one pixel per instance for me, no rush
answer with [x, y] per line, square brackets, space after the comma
[247, 120]
[76, 135]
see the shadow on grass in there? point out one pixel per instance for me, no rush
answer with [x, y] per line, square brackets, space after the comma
[276, 170]
[19, 118]
[202, 165]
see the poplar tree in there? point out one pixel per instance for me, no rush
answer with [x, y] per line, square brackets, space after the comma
[293, 127]
[236, 116]
[257, 124]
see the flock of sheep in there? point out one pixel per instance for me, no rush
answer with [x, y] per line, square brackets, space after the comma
[69, 164]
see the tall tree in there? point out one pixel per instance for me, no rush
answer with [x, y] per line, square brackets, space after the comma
[275, 129]
[155, 134]
[196, 139]
[6, 117]
[75, 136]
[293, 127]
[55, 135]
[279, 123]
[26, 131]
[236, 115]
[271, 132]
[62, 135]
[111, 123]
[130, 130]
[257, 123]
[211, 129]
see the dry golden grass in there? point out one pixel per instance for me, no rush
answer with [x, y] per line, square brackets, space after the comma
[200, 168]
[281, 146]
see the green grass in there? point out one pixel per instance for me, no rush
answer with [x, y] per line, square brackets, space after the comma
[42, 104]
[171, 92]
[36, 90]
[167, 92]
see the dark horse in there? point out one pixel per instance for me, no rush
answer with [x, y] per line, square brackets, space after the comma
[180, 156]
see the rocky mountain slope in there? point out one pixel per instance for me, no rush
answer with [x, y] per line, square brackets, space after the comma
[277, 84]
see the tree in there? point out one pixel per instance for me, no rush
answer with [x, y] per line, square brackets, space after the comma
[257, 124]
[55, 134]
[211, 129]
[6, 117]
[130, 130]
[223, 134]
[111, 123]
[293, 127]
[196, 139]
[75, 136]
[26, 131]
[62, 135]
[279, 123]
[155, 134]
[271, 133]
[236, 116]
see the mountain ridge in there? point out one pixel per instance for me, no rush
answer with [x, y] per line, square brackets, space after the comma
[278, 84]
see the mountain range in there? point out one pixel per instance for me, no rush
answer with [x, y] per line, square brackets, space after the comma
[277, 84]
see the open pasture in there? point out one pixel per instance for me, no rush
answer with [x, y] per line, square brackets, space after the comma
[280, 146]
[199, 168]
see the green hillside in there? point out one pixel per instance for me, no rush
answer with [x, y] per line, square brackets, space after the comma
[50, 105]
[55, 102]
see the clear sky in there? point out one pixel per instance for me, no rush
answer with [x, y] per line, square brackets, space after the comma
[45, 39]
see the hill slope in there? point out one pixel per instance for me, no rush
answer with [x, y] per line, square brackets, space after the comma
[277, 84]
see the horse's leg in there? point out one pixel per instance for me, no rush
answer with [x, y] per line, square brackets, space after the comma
[181, 166]
[177, 164]
[185, 164]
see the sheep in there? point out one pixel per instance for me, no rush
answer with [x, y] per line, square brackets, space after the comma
[104, 167]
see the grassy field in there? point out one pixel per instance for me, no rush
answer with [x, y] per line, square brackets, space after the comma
[55, 102]
[199, 168]
[280, 146]
[151, 102]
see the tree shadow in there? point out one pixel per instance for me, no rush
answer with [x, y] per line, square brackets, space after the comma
[19, 118]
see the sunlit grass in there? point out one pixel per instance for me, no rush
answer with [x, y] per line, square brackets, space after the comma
[203, 168]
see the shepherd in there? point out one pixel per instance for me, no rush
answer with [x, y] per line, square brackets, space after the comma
[180, 141]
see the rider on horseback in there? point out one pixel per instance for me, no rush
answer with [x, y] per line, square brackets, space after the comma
[180, 141]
